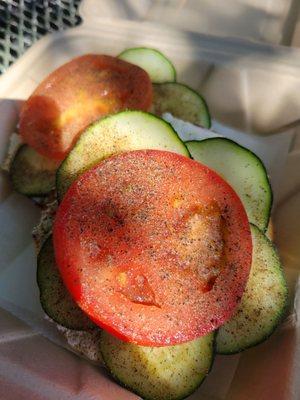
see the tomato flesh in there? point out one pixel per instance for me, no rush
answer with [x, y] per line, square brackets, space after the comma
[154, 247]
[77, 94]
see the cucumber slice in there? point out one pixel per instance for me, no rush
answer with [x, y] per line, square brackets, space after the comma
[125, 131]
[182, 102]
[263, 303]
[243, 170]
[31, 173]
[158, 373]
[55, 299]
[159, 67]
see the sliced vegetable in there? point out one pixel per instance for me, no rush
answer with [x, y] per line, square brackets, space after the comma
[147, 237]
[31, 173]
[159, 373]
[128, 130]
[157, 65]
[77, 94]
[243, 170]
[263, 302]
[182, 102]
[55, 299]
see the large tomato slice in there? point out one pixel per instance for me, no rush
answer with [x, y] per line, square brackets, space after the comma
[75, 95]
[154, 247]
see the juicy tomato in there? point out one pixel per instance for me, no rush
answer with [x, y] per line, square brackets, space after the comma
[77, 94]
[154, 247]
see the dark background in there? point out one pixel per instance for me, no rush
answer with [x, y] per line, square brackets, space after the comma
[23, 22]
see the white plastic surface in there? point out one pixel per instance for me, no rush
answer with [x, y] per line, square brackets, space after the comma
[248, 87]
[271, 21]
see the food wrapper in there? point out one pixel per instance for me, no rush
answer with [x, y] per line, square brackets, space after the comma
[240, 91]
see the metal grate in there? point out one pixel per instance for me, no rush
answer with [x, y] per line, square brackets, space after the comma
[23, 22]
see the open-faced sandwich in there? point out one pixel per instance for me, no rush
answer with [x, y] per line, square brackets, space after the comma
[152, 251]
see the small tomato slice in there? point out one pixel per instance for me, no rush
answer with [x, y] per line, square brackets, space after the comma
[154, 247]
[77, 94]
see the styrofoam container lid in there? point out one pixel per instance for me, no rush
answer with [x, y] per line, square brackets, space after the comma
[271, 21]
[251, 89]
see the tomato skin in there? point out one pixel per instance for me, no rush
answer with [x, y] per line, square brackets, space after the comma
[126, 237]
[77, 94]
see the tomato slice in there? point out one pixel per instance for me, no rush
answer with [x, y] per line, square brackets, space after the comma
[154, 247]
[77, 94]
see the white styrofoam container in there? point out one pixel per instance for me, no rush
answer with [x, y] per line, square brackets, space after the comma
[250, 87]
[271, 21]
